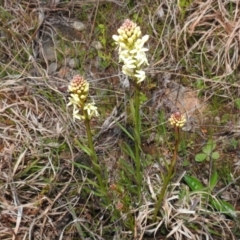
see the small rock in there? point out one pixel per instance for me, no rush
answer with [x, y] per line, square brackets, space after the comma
[156, 165]
[217, 120]
[49, 52]
[52, 68]
[226, 196]
[97, 45]
[160, 13]
[64, 72]
[3, 36]
[73, 63]
[78, 25]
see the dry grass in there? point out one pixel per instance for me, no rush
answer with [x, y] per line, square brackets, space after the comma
[37, 134]
[43, 194]
[214, 29]
[36, 154]
[184, 214]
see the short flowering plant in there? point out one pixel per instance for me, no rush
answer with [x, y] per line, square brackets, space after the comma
[82, 110]
[177, 120]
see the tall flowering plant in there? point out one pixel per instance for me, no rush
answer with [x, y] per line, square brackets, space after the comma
[132, 54]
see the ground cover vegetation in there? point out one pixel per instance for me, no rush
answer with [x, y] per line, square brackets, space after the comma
[120, 119]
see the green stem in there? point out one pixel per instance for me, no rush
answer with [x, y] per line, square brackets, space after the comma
[93, 156]
[171, 171]
[137, 130]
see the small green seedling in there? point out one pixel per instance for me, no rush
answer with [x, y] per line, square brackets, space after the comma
[207, 152]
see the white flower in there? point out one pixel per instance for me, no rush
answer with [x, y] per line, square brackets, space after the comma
[177, 119]
[140, 42]
[140, 75]
[74, 99]
[115, 38]
[76, 114]
[127, 71]
[129, 62]
[91, 110]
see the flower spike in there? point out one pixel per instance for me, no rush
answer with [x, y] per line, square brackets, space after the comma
[131, 50]
[177, 120]
[79, 89]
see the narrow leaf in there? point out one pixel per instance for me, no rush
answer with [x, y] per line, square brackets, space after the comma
[126, 131]
[224, 207]
[85, 148]
[81, 166]
[128, 150]
[213, 180]
[127, 167]
[132, 108]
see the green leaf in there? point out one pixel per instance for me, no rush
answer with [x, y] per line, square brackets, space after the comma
[85, 148]
[213, 180]
[186, 163]
[128, 168]
[128, 150]
[126, 131]
[93, 183]
[224, 207]
[215, 155]
[81, 166]
[143, 98]
[137, 138]
[209, 147]
[193, 183]
[237, 103]
[212, 231]
[200, 157]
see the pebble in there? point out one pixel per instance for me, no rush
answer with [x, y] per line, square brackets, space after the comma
[97, 45]
[49, 51]
[79, 26]
[52, 68]
[217, 120]
[73, 63]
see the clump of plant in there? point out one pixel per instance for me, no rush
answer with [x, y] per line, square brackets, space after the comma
[173, 209]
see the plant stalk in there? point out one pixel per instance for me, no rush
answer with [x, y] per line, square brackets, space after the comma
[93, 156]
[171, 171]
[137, 138]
